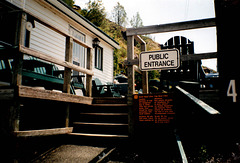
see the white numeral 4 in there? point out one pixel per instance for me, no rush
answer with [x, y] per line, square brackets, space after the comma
[232, 90]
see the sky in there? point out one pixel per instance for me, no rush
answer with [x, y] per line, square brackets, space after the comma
[155, 12]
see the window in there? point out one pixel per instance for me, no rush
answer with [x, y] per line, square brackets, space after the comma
[79, 52]
[99, 58]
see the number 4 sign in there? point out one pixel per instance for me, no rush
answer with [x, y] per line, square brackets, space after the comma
[232, 90]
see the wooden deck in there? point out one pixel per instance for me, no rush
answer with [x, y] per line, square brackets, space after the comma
[44, 132]
[20, 94]
[36, 93]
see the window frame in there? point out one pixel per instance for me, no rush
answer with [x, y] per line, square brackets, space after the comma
[98, 58]
[79, 53]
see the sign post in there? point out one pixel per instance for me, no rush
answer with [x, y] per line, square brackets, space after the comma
[156, 110]
[159, 60]
[154, 115]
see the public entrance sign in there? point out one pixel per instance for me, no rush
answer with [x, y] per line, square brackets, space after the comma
[159, 60]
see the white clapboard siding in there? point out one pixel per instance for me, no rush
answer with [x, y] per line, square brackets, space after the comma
[105, 75]
[52, 43]
[42, 38]
[46, 15]
[47, 41]
[18, 3]
[108, 63]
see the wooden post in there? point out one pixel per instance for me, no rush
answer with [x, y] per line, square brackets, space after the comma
[67, 75]
[19, 40]
[131, 89]
[89, 77]
[130, 69]
[144, 73]
[227, 12]
[20, 36]
[68, 71]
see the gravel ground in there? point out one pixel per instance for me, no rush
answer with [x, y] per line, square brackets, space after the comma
[71, 153]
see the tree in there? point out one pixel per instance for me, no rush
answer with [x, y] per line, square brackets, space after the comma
[136, 21]
[119, 15]
[95, 12]
[69, 2]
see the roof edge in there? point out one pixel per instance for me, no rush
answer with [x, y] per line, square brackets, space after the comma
[86, 20]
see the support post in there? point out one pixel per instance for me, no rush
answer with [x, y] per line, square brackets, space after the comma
[68, 71]
[89, 77]
[131, 89]
[227, 12]
[20, 37]
[144, 73]
[130, 69]
[67, 75]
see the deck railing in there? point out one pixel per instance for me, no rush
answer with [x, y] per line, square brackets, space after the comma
[67, 63]
[16, 91]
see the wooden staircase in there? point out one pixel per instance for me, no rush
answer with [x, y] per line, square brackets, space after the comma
[106, 117]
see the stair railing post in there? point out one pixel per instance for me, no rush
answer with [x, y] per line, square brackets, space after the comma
[89, 77]
[67, 75]
[20, 37]
[144, 73]
[131, 81]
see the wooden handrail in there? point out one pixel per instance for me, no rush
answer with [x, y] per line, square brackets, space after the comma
[51, 59]
[199, 102]
[182, 152]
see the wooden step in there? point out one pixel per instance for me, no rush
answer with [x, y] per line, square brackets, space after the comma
[110, 114]
[103, 109]
[106, 117]
[101, 117]
[99, 135]
[113, 105]
[104, 127]
[103, 124]
[109, 100]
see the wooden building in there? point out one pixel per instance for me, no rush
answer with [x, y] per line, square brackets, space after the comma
[58, 15]
[48, 52]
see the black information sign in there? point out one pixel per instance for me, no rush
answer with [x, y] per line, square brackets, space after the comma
[154, 109]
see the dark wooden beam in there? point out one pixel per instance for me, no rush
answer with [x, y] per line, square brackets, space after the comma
[9, 53]
[199, 56]
[203, 23]
[6, 94]
[131, 62]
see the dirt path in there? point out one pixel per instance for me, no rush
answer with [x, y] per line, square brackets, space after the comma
[71, 153]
